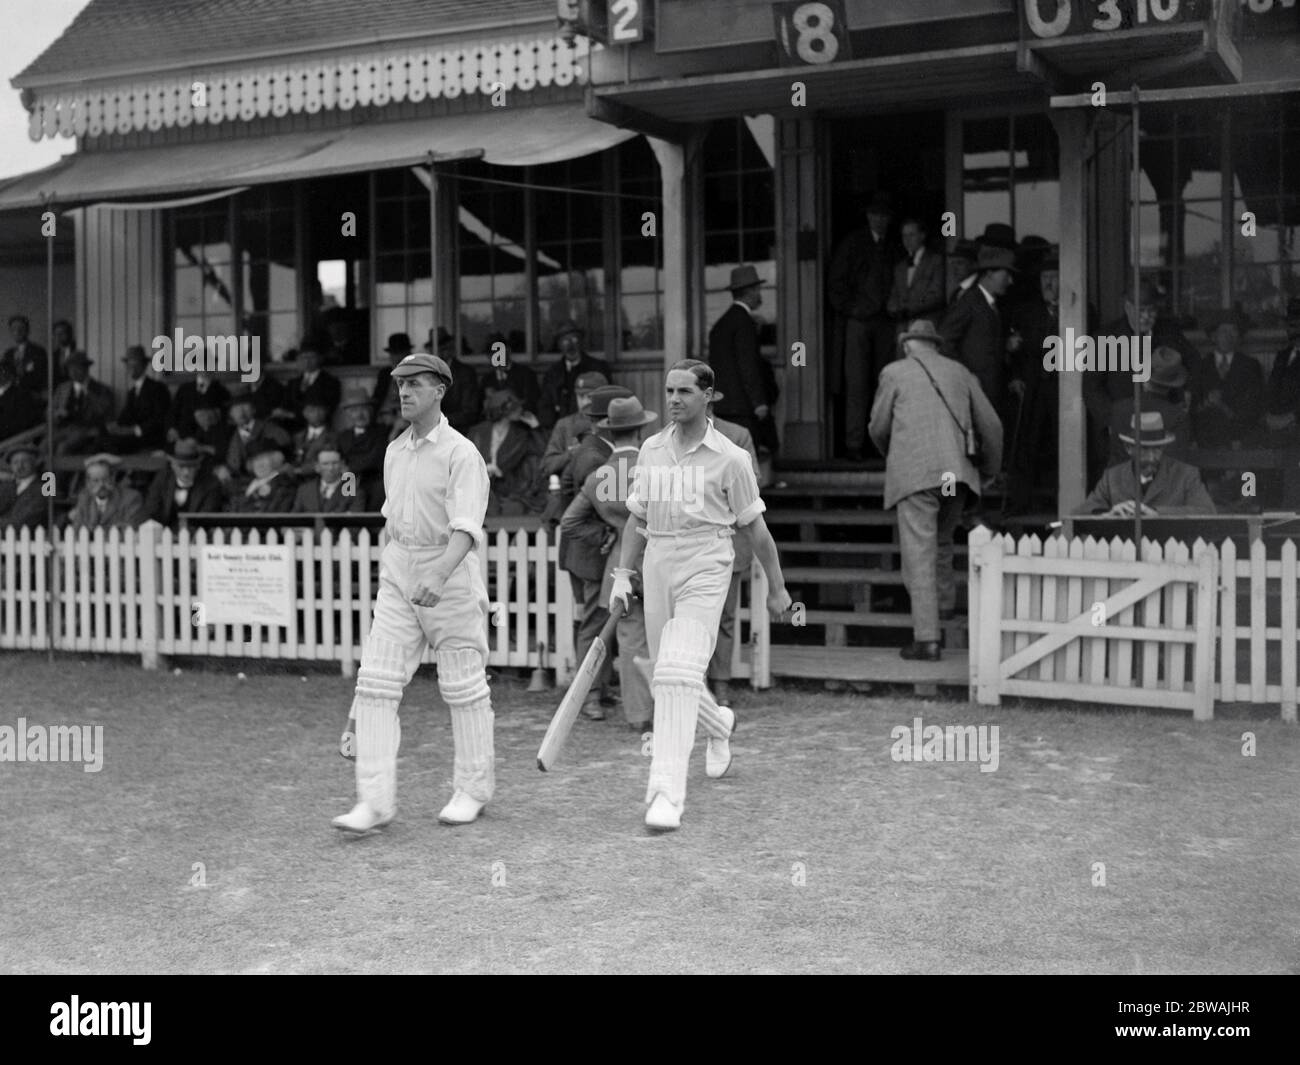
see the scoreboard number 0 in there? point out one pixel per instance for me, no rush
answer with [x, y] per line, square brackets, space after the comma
[812, 32]
[1078, 16]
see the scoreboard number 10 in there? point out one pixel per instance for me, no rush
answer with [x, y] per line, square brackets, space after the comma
[811, 32]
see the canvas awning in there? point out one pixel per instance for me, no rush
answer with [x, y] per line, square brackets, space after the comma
[508, 136]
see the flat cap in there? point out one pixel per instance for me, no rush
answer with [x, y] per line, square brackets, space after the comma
[423, 362]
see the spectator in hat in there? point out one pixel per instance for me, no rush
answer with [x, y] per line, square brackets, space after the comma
[504, 373]
[31, 366]
[1227, 389]
[23, 505]
[19, 409]
[595, 444]
[312, 386]
[1165, 393]
[250, 434]
[1281, 427]
[103, 503]
[734, 356]
[998, 235]
[568, 432]
[186, 486]
[860, 278]
[963, 268]
[142, 423]
[362, 447]
[82, 408]
[312, 437]
[1031, 457]
[918, 290]
[559, 392]
[271, 489]
[180, 415]
[1164, 485]
[929, 414]
[65, 343]
[463, 403]
[385, 404]
[512, 450]
[972, 327]
[329, 492]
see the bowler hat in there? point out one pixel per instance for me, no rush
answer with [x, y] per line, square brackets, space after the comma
[1167, 370]
[1150, 432]
[1051, 261]
[744, 277]
[423, 362]
[601, 397]
[398, 344]
[186, 453]
[590, 381]
[922, 329]
[355, 397]
[992, 257]
[998, 235]
[625, 412]
[135, 351]
[79, 358]
[566, 328]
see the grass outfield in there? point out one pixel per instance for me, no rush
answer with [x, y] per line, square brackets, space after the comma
[818, 853]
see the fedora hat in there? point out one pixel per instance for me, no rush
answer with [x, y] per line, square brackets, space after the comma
[1150, 432]
[186, 452]
[79, 358]
[745, 276]
[1167, 370]
[398, 344]
[355, 397]
[625, 412]
[922, 329]
[998, 235]
[600, 399]
[993, 257]
[590, 381]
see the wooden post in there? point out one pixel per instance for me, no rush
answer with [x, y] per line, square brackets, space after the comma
[979, 537]
[672, 234]
[1207, 584]
[147, 593]
[988, 649]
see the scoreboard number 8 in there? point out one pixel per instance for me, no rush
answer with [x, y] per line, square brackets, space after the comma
[811, 32]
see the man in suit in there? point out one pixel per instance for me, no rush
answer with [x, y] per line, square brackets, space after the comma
[861, 275]
[142, 423]
[271, 490]
[362, 447]
[734, 355]
[29, 360]
[972, 327]
[19, 409]
[313, 385]
[568, 432]
[384, 404]
[212, 428]
[186, 486]
[1282, 394]
[918, 290]
[65, 344]
[82, 408]
[1166, 392]
[1031, 457]
[507, 375]
[594, 446]
[22, 503]
[463, 404]
[249, 435]
[1167, 486]
[512, 450]
[1227, 390]
[559, 396]
[963, 268]
[926, 411]
[312, 438]
[180, 415]
[327, 492]
[103, 503]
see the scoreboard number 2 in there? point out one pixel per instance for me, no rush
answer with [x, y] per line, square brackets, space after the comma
[625, 21]
[811, 32]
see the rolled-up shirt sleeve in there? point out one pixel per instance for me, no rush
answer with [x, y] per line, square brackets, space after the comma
[467, 493]
[742, 491]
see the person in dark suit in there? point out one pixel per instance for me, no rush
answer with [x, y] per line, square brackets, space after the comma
[311, 438]
[512, 451]
[65, 344]
[385, 406]
[142, 423]
[362, 447]
[594, 445]
[463, 404]
[104, 502]
[186, 486]
[212, 428]
[972, 327]
[963, 268]
[510, 376]
[1164, 485]
[559, 396]
[1227, 391]
[861, 275]
[734, 355]
[22, 503]
[272, 488]
[1032, 432]
[1281, 428]
[29, 360]
[249, 436]
[180, 415]
[567, 433]
[328, 492]
[313, 385]
[82, 408]
[918, 290]
[19, 409]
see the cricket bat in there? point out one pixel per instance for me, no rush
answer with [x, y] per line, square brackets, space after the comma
[562, 722]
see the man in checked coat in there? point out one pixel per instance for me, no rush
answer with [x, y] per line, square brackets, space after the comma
[921, 424]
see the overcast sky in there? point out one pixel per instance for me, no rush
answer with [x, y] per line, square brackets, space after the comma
[30, 26]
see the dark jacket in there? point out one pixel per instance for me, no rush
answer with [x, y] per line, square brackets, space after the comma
[31, 367]
[206, 497]
[558, 396]
[363, 452]
[278, 499]
[1242, 390]
[462, 404]
[148, 410]
[238, 451]
[737, 364]
[325, 390]
[308, 500]
[519, 379]
[94, 410]
[22, 509]
[180, 415]
[924, 297]
[1175, 489]
[861, 275]
[518, 460]
[305, 453]
[972, 334]
[19, 411]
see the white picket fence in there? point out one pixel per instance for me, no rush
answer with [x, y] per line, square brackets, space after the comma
[1083, 619]
[136, 591]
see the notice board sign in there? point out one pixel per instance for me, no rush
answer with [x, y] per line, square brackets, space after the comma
[246, 584]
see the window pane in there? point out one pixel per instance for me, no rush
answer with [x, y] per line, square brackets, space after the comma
[642, 327]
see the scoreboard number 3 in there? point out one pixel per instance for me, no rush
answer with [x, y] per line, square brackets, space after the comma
[811, 32]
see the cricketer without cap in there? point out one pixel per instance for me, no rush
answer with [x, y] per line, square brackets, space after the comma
[430, 593]
[693, 488]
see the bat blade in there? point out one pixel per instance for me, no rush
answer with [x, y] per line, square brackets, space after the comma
[567, 714]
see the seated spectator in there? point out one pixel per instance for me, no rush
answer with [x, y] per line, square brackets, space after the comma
[142, 423]
[507, 375]
[1167, 485]
[180, 415]
[19, 409]
[212, 428]
[249, 435]
[362, 447]
[1165, 393]
[329, 492]
[315, 435]
[1282, 395]
[271, 489]
[385, 403]
[22, 503]
[512, 450]
[65, 346]
[568, 432]
[313, 385]
[1227, 391]
[271, 400]
[102, 503]
[82, 408]
[463, 404]
[559, 392]
[186, 486]
[29, 361]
